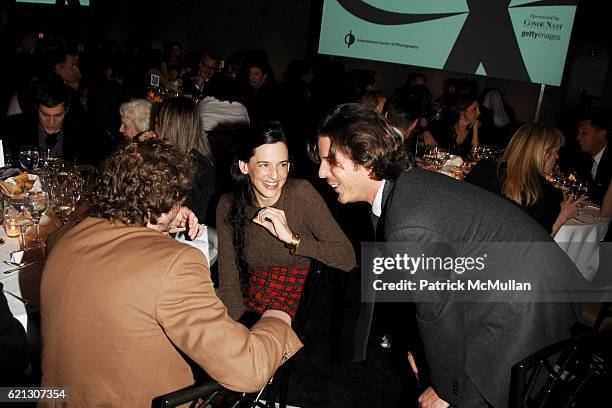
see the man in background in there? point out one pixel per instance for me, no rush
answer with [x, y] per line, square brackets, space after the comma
[593, 130]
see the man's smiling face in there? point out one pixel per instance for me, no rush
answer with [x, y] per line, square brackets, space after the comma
[349, 180]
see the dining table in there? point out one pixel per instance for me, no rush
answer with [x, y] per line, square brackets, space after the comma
[580, 238]
[21, 270]
[20, 273]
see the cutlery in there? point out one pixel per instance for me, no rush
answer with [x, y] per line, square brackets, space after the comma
[22, 264]
[25, 264]
[22, 300]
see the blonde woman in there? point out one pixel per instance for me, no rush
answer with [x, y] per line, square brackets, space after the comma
[520, 176]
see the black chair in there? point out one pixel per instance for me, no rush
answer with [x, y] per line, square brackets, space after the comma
[202, 395]
[604, 312]
[212, 394]
[572, 373]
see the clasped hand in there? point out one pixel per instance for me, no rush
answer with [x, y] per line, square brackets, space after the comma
[186, 220]
[275, 221]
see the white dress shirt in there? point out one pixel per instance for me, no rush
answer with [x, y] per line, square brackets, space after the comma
[596, 160]
[377, 204]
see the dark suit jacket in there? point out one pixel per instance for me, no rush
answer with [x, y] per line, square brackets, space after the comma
[83, 142]
[599, 184]
[474, 345]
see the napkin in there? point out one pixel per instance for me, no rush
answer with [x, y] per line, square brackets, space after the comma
[30, 254]
[36, 185]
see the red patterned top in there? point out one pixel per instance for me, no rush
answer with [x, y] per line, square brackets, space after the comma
[276, 288]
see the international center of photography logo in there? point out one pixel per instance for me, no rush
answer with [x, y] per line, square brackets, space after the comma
[349, 39]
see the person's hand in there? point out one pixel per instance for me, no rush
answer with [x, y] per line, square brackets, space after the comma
[198, 80]
[476, 125]
[429, 399]
[186, 220]
[431, 167]
[146, 135]
[569, 207]
[275, 221]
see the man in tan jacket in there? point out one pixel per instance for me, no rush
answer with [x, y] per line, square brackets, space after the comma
[120, 300]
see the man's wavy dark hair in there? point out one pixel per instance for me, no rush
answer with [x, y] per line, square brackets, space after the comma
[140, 182]
[366, 137]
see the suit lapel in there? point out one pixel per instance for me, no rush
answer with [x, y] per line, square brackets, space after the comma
[380, 225]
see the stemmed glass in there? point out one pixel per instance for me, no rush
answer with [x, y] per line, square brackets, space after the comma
[441, 159]
[28, 157]
[64, 202]
[37, 203]
[430, 154]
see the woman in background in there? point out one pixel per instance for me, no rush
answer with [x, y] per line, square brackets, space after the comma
[270, 227]
[178, 123]
[135, 118]
[458, 131]
[520, 176]
[374, 99]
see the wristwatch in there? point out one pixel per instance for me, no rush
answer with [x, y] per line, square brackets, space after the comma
[294, 244]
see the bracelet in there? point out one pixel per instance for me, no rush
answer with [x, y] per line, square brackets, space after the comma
[294, 244]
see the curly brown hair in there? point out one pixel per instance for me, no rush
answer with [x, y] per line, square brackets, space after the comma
[140, 182]
[367, 138]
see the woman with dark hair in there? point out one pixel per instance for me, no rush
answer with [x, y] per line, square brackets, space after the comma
[270, 227]
[458, 131]
[178, 123]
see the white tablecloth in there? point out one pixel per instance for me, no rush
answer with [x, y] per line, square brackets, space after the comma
[11, 281]
[578, 238]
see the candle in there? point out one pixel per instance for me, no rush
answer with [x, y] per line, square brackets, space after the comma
[11, 226]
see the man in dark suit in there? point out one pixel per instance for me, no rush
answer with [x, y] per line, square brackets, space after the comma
[470, 347]
[593, 138]
[53, 127]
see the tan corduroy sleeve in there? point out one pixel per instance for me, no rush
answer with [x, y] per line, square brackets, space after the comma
[196, 321]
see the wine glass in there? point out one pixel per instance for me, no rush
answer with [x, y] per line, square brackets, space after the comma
[430, 154]
[28, 157]
[37, 203]
[63, 202]
[441, 159]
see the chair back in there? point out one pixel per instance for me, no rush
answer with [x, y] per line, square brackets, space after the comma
[573, 372]
[308, 294]
[204, 393]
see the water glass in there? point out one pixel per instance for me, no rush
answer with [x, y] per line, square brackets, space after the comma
[16, 218]
[29, 157]
[64, 202]
[37, 203]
